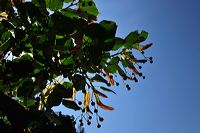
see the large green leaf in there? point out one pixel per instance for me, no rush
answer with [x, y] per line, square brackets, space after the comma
[78, 82]
[67, 61]
[55, 97]
[119, 42]
[54, 4]
[26, 88]
[132, 37]
[110, 28]
[5, 41]
[143, 36]
[70, 104]
[62, 25]
[89, 7]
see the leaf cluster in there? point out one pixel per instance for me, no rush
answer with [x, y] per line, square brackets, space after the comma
[50, 50]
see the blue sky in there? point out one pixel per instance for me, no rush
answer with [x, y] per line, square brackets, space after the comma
[168, 100]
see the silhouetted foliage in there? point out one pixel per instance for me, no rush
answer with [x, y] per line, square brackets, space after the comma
[50, 50]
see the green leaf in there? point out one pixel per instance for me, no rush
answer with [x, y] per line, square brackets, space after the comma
[119, 42]
[99, 93]
[54, 4]
[111, 69]
[108, 44]
[106, 89]
[110, 28]
[67, 61]
[89, 7]
[98, 78]
[114, 61]
[62, 25]
[68, 1]
[26, 88]
[78, 82]
[68, 12]
[4, 87]
[5, 41]
[132, 45]
[55, 97]
[70, 104]
[143, 36]
[26, 102]
[121, 72]
[5, 36]
[132, 37]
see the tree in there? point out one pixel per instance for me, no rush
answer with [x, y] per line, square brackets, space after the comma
[50, 50]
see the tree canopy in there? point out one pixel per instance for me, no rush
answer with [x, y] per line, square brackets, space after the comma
[50, 50]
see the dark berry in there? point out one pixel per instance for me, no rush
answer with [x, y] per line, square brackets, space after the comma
[83, 4]
[150, 58]
[140, 67]
[79, 103]
[151, 61]
[127, 86]
[104, 74]
[90, 117]
[101, 119]
[142, 52]
[81, 124]
[92, 103]
[81, 121]
[111, 76]
[95, 111]
[90, 3]
[74, 122]
[98, 126]
[83, 110]
[136, 80]
[83, 91]
[124, 78]
[117, 84]
[143, 77]
[109, 84]
[88, 122]
[140, 74]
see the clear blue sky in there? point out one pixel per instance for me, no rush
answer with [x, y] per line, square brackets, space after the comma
[168, 100]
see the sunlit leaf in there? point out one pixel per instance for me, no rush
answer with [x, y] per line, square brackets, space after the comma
[101, 105]
[54, 4]
[144, 47]
[88, 110]
[86, 99]
[110, 79]
[134, 70]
